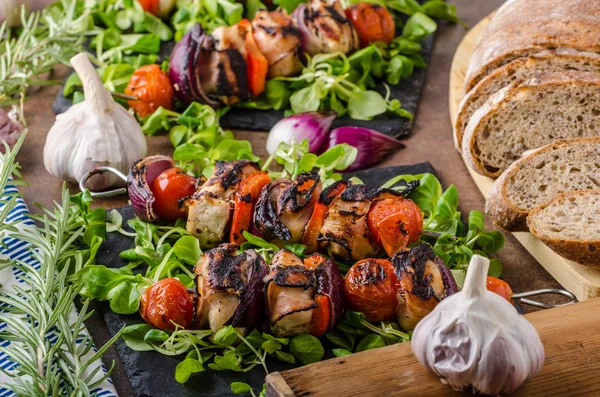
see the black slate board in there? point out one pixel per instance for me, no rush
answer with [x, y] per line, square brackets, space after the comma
[407, 91]
[152, 374]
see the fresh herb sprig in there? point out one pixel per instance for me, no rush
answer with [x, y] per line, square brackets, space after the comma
[47, 37]
[42, 305]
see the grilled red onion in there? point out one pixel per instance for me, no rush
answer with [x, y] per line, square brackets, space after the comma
[251, 310]
[190, 64]
[313, 126]
[141, 175]
[425, 281]
[325, 28]
[331, 283]
[373, 146]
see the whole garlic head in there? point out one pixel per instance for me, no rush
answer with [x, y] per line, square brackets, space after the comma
[93, 133]
[476, 338]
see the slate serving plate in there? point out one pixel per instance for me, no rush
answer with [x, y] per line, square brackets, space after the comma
[152, 374]
[407, 91]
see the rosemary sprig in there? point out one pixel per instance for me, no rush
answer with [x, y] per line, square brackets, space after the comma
[42, 306]
[46, 38]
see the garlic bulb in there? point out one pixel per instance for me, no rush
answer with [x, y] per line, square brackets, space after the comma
[93, 133]
[476, 338]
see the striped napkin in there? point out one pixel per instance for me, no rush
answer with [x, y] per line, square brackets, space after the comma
[19, 250]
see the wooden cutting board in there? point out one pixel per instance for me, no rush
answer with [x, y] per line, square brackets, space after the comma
[569, 334]
[583, 281]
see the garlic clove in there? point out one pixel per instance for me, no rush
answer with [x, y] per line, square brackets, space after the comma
[476, 338]
[93, 133]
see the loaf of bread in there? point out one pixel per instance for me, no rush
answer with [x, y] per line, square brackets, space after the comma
[560, 60]
[560, 167]
[530, 114]
[522, 28]
[570, 225]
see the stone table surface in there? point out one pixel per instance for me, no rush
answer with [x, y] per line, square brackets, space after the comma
[431, 140]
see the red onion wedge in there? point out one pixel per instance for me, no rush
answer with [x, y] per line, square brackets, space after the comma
[313, 126]
[251, 310]
[330, 282]
[373, 146]
[141, 175]
[190, 64]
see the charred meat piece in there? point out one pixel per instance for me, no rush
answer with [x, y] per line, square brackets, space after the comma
[424, 280]
[279, 40]
[229, 288]
[285, 207]
[230, 84]
[210, 207]
[325, 28]
[304, 297]
[345, 231]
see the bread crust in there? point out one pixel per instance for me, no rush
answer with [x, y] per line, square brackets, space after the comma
[498, 206]
[524, 27]
[528, 67]
[584, 252]
[486, 111]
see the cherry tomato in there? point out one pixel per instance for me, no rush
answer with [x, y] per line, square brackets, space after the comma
[153, 89]
[394, 223]
[167, 303]
[168, 188]
[372, 22]
[152, 6]
[371, 287]
[500, 287]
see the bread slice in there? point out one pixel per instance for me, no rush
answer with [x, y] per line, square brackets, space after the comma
[525, 27]
[560, 60]
[538, 177]
[530, 114]
[570, 225]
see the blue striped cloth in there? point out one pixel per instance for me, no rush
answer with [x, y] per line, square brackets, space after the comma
[15, 249]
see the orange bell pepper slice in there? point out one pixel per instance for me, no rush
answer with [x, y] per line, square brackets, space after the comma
[315, 223]
[321, 316]
[257, 63]
[314, 260]
[245, 199]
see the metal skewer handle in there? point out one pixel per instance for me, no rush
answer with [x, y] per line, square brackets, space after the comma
[522, 297]
[106, 193]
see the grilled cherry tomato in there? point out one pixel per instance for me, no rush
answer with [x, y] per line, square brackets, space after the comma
[314, 225]
[372, 22]
[245, 199]
[258, 66]
[395, 223]
[371, 287]
[168, 188]
[151, 6]
[500, 287]
[153, 89]
[167, 303]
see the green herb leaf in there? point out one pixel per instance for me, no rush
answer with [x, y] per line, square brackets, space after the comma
[240, 388]
[307, 349]
[369, 342]
[341, 352]
[186, 368]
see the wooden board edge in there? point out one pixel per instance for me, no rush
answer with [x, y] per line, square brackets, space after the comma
[583, 281]
[277, 386]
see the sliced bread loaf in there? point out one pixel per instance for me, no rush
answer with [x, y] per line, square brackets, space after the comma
[530, 114]
[560, 60]
[525, 27]
[570, 225]
[535, 179]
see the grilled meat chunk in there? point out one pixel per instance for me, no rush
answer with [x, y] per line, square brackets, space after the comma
[229, 288]
[285, 207]
[210, 207]
[424, 280]
[279, 40]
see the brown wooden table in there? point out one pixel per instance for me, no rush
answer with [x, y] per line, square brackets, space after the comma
[431, 141]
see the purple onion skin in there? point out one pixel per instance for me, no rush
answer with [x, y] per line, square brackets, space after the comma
[330, 282]
[450, 285]
[140, 177]
[373, 146]
[179, 64]
[313, 126]
[251, 310]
